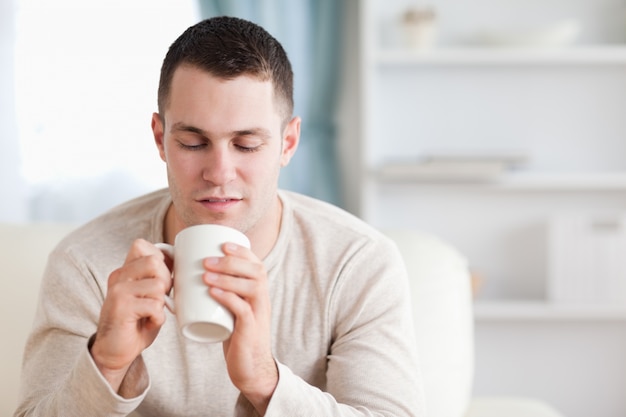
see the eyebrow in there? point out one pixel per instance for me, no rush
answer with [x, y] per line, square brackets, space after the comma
[183, 127]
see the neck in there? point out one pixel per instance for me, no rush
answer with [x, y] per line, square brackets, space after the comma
[262, 236]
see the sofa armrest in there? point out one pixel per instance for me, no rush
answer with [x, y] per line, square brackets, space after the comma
[24, 250]
[442, 311]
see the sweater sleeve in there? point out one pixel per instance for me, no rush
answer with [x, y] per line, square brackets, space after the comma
[372, 362]
[59, 377]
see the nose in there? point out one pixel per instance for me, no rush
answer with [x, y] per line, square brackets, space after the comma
[219, 167]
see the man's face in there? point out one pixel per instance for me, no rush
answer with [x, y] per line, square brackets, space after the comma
[223, 146]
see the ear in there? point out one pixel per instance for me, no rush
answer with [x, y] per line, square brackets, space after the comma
[157, 131]
[291, 138]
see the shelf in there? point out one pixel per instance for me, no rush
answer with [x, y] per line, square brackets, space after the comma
[519, 181]
[493, 311]
[591, 55]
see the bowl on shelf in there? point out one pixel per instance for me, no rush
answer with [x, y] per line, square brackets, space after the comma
[419, 28]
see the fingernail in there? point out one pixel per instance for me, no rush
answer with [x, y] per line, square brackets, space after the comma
[213, 260]
[230, 246]
[210, 276]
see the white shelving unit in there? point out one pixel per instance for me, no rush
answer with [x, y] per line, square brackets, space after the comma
[588, 55]
[541, 311]
[561, 107]
[615, 181]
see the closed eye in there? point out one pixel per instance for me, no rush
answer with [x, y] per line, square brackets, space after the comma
[195, 147]
[247, 148]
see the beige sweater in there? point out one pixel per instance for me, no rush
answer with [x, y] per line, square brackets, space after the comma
[341, 325]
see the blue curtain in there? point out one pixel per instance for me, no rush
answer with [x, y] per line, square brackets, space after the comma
[310, 32]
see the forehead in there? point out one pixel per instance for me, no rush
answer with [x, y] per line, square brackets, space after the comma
[188, 80]
[200, 98]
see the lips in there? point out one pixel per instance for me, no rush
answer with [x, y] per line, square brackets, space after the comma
[219, 203]
[218, 199]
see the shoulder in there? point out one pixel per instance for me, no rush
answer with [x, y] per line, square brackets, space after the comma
[111, 233]
[312, 210]
[317, 220]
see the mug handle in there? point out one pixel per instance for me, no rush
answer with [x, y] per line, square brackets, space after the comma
[169, 251]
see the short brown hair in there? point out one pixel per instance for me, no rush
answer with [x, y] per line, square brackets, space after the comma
[228, 47]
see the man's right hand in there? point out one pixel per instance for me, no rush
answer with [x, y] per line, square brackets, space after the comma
[132, 313]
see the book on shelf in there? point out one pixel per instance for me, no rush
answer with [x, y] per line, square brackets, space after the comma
[587, 259]
[453, 167]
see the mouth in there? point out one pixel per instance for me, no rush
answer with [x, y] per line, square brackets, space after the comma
[218, 200]
[219, 203]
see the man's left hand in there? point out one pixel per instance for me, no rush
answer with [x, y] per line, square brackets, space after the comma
[238, 281]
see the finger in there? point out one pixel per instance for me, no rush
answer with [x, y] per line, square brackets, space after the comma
[253, 292]
[132, 303]
[151, 288]
[140, 248]
[241, 309]
[151, 312]
[146, 267]
[239, 272]
[243, 287]
[239, 265]
[127, 294]
[240, 251]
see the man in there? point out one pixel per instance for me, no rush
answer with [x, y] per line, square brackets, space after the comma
[320, 300]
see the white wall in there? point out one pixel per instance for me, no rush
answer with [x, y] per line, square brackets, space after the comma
[12, 189]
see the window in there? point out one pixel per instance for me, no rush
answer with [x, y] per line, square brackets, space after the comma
[86, 79]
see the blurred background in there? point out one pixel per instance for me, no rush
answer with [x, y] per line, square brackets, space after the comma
[496, 125]
[79, 84]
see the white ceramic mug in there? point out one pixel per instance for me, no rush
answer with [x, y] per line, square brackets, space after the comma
[199, 316]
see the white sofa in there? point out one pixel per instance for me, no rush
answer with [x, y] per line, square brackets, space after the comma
[442, 308]
[444, 325]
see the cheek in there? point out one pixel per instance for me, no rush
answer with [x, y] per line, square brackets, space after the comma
[181, 165]
[262, 171]
[272, 163]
